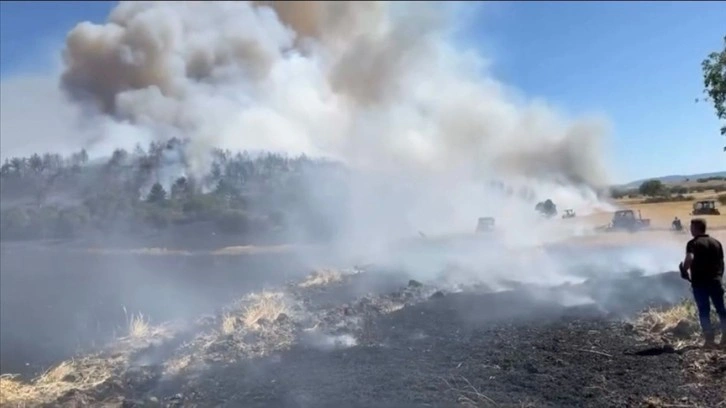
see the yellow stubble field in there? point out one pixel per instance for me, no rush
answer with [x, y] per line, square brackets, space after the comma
[661, 215]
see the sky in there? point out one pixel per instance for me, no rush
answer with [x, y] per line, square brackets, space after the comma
[636, 63]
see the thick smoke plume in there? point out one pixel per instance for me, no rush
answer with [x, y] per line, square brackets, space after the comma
[379, 86]
[370, 83]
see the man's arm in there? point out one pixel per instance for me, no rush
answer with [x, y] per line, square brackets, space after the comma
[720, 249]
[687, 261]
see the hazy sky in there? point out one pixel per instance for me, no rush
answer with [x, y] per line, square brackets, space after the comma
[638, 63]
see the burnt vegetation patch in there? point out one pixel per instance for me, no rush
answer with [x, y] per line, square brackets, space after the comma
[417, 345]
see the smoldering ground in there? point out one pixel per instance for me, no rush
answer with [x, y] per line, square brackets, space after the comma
[400, 348]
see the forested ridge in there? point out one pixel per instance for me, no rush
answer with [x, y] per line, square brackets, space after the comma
[49, 196]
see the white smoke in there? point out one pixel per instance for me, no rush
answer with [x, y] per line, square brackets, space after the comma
[380, 86]
[359, 81]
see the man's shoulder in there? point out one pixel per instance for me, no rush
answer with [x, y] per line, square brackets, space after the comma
[702, 240]
[717, 242]
[711, 239]
[705, 241]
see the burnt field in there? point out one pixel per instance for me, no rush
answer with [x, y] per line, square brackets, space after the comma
[359, 337]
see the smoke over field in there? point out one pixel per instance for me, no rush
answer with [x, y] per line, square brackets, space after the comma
[374, 84]
[379, 86]
[361, 129]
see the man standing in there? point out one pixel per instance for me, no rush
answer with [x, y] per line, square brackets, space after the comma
[705, 259]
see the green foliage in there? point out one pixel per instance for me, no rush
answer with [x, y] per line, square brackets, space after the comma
[617, 194]
[181, 189]
[157, 195]
[678, 190]
[714, 82]
[49, 196]
[233, 221]
[668, 199]
[202, 206]
[652, 188]
[546, 208]
[71, 222]
[16, 223]
[157, 217]
[707, 179]
[42, 222]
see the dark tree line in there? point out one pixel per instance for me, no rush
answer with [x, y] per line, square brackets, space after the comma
[50, 196]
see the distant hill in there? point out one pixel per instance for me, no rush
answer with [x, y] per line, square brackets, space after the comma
[673, 179]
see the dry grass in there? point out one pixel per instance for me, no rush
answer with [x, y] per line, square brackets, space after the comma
[392, 307]
[467, 394]
[679, 321]
[139, 330]
[230, 323]
[470, 396]
[138, 325]
[658, 320]
[661, 214]
[257, 249]
[16, 393]
[655, 402]
[80, 374]
[177, 365]
[263, 306]
[68, 375]
[321, 277]
[138, 251]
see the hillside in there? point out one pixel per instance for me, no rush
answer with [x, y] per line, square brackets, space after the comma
[674, 179]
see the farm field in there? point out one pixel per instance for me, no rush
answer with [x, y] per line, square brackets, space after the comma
[360, 204]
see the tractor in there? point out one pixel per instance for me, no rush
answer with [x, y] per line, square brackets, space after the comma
[626, 220]
[705, 207]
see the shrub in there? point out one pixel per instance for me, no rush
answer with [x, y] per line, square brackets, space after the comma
[71, 221]
[617, 194]
[201, 206]
[233, 222]
[668, 199]
[652, 188]
[679, 190]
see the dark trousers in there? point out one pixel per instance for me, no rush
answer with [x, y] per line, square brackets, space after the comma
[704, 296]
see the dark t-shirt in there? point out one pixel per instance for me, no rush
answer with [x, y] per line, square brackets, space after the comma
[708, 263]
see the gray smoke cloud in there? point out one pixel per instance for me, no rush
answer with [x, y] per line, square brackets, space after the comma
[380, 86]
[371, 83]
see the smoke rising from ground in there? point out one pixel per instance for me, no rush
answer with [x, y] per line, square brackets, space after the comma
[380, 86]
